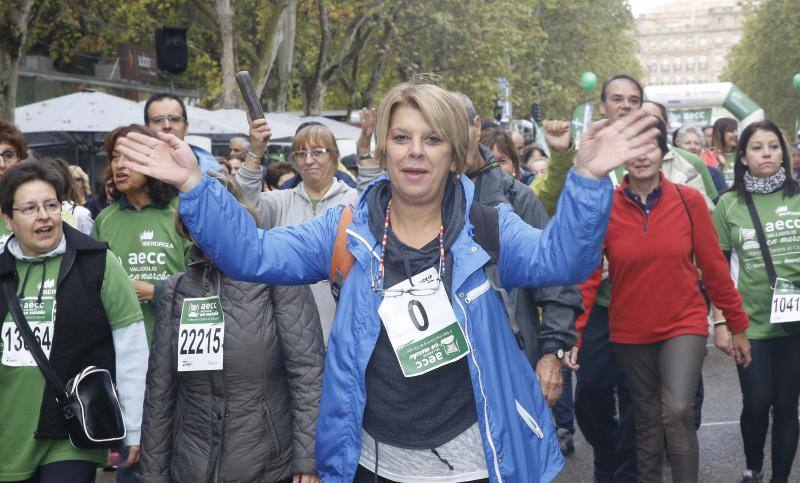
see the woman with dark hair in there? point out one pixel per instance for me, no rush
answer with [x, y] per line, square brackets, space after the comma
[138, 227]
[758, 229]
[723, 147]
[504, 150]
[660, 233]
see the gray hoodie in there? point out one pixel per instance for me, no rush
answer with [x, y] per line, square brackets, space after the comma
[293, 207]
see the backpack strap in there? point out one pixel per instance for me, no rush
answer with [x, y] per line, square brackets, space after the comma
[341, 260]
[486, 223]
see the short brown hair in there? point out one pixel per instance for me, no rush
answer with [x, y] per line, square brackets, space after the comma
[316, 135]
[500, 139]
[21, 173]
[9, 134]
[161, 193]
[442, 110]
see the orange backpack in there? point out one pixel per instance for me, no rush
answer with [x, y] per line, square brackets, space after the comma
[341, 260]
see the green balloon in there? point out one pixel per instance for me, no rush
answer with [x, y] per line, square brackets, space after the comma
[589, 81]
[797, 81]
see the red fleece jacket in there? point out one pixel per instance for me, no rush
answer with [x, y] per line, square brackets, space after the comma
[654, 281]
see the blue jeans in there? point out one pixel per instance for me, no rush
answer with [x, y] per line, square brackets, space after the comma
[564, 409]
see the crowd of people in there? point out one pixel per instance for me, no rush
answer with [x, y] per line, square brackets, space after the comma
[416, 311]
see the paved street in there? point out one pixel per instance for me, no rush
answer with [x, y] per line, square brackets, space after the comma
[721, 456]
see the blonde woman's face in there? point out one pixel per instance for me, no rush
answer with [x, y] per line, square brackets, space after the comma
[418, 159]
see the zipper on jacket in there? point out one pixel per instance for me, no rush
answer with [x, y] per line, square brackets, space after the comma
[495, 458]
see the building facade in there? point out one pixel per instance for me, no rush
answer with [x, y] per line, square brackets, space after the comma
[687, 41]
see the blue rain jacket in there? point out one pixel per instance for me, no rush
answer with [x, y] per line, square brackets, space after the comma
[519, 438]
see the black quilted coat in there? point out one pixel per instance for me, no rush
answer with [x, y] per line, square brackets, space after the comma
[255, 420]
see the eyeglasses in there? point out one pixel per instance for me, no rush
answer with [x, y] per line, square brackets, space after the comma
[315, 153]
[9, 155]
[29, 209]
[160, 120]
[423, 290]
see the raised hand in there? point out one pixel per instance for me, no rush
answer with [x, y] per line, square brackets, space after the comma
[557, 135]
[368, 117]
[260, 132]
[606, 145]
[167, 159]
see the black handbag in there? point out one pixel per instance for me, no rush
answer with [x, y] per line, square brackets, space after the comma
[89, 402]
[791, 327]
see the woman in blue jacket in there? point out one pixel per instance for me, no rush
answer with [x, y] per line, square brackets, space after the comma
[423, 379]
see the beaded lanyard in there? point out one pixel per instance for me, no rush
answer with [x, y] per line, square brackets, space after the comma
[386, 224]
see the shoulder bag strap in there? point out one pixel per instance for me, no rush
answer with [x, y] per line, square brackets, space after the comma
[27, 335]
[762, 239]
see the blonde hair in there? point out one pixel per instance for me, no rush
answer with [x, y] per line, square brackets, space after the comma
[233, 188]
[316, 135]
[442, 110]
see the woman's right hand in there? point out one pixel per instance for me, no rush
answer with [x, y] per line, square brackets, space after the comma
[167, 159]
[741, 349]
[722, 339]
[260, 132]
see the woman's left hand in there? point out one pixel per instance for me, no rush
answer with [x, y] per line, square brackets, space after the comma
[144, 290]
[606, 144]
[741, 349]
[133, 456]
[299, 478]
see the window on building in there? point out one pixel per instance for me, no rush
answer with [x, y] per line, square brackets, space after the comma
[718, 40]
[703, 41]
[677, 65]
[652, 66]
[718, 59]
[702, 63]
[664, 65]
[689, 63]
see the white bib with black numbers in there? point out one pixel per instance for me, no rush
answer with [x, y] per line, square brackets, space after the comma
[201, 335]
[423, 329]
[785, 302]
[41, 318]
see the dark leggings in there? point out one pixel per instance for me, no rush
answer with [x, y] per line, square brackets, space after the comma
[662, 379]
[65, 472]
[364, 475]
[772, 381]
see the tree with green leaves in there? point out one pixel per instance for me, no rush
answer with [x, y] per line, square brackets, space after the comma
[767, 57]
[16, 18]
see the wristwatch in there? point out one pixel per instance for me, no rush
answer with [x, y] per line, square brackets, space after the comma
[556, 351]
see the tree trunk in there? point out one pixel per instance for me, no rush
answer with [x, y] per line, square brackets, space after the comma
[13, 32]
[229, 97]
[313, 96]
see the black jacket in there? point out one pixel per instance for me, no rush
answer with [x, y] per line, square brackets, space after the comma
[560, 305]
[255, 420]
[82, 336]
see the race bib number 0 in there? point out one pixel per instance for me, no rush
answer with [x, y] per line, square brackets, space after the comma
[201, 335]
[40, 316]
[785, 302]
[423, 329]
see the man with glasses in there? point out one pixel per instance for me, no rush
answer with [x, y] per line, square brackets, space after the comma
[13, 149]
[167, 113]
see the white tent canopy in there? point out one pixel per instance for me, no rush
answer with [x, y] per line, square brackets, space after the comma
[96, 112]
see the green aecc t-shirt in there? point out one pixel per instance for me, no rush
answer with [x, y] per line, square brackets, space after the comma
[781, 219]
[22, 388]
[146, 243]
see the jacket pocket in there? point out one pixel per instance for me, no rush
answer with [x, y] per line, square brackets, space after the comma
[274, 447]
